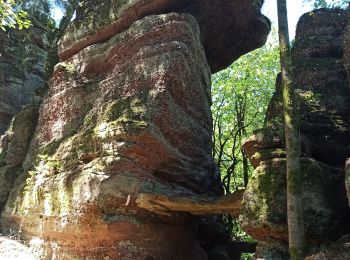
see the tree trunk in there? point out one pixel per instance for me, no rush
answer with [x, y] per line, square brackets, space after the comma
[292, 142]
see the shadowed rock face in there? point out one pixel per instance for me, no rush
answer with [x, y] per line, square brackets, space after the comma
[324, 101]
[20, 77]
[229, 28]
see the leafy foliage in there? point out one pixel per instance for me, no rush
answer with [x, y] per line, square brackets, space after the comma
[328, 3]
[11, 16]
[241, 94]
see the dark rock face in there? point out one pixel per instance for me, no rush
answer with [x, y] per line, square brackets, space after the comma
[324, 101]
[237, 25]
[20, 78]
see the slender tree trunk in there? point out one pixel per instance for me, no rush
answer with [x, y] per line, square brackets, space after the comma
[292, 142]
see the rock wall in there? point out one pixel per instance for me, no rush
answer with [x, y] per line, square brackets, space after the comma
[324, 101]
[22, 59]
[128, 112]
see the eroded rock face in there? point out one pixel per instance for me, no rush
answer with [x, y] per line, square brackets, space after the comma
[122, 117]
[14, 147]
[20, 78]
[237, 25]
[324, 101]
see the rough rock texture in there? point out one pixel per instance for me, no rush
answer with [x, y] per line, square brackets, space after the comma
[14, 147]
[265, 205]
[338, 250]
[324, 102]
[20, 78]
[237, 25]
[126, 116]
[164, 205]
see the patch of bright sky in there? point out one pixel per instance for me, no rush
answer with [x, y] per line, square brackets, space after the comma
[57, 14]
[296, 8]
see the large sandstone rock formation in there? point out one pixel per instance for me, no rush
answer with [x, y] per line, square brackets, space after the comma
[128, 114]
[324, 104]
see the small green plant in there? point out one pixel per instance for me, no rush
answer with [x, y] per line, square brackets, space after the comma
[69, 67]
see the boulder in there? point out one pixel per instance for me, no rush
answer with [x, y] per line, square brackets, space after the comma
[229, 28]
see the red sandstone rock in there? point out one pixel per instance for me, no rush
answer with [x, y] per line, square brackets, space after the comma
[229, 28]
[123, 117]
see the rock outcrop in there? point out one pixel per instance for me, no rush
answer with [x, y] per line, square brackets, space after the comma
[237, 25]
[127, 114]
[21, 77]
[324, 102]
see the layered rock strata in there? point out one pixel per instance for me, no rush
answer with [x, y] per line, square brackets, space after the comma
[237, 25]
[324, 102]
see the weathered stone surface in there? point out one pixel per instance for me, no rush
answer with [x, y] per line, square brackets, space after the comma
[322, 85]
[20, 78]
[229, 28]
[14, 147]
[338, 250]
[264, 203]
[197, 205]
[324, 102]
[128, 116]
[322, 88]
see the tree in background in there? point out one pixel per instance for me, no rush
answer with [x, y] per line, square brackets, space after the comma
[292, 141]
[328, 4]
[12, 16]
[241, 94]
